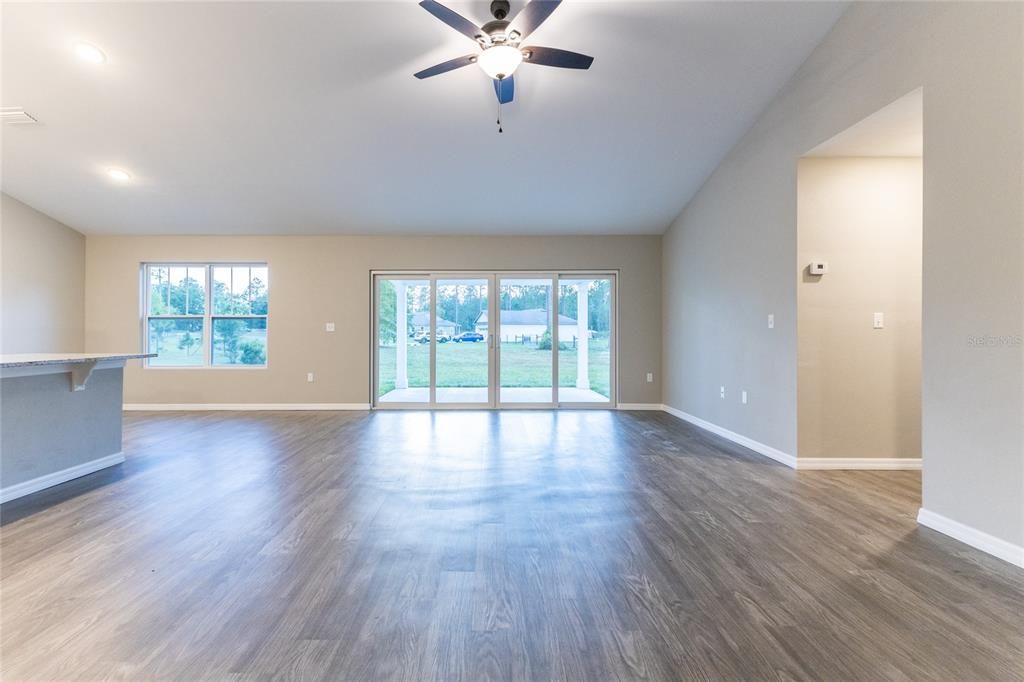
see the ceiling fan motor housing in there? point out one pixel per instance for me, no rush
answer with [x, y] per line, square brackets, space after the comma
[496, 30]
[499, 9]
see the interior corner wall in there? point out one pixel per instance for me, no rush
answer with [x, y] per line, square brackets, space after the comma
[42, 282]
[318, 279]
[858, 387]
[730, 258]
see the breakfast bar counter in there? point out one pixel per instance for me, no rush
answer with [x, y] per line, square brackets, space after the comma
[60, 417]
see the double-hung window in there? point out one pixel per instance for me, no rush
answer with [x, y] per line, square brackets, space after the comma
[206, 315]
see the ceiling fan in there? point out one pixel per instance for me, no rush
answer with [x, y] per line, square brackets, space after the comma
[500, 42]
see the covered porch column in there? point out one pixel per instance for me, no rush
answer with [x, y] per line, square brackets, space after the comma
[402, 335]
[582, 334]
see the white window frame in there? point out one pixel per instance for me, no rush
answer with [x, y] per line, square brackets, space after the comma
[207, 317]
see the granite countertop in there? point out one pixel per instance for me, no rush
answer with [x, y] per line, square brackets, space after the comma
[35, 359]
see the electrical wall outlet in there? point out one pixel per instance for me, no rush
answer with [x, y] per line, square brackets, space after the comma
[743, 397]
[650, 377]
[771, 320]
[329, 327]
[722, 392]
[309, 377]
[879, 321]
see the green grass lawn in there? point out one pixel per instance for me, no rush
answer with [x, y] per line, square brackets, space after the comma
[522, 366]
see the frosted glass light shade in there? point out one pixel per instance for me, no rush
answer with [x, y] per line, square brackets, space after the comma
[500, 61]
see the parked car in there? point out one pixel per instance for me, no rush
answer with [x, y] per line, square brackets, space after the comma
[472, 337]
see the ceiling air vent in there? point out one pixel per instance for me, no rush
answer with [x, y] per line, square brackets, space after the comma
[15, 115]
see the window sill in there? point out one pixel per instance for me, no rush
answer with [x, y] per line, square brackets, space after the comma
[208, 367]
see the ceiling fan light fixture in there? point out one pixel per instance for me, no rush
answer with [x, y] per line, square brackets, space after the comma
[500, 61]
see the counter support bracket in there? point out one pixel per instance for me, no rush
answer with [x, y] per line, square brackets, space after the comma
[80, 374]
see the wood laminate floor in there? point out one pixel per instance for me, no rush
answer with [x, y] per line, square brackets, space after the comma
[484, 545]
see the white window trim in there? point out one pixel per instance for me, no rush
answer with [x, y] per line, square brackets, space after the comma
[207, 317]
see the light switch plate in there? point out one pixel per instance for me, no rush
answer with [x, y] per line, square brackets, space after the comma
[743, 397]
[879, 321]
[329, 326]
[650, 377]
[771, 320]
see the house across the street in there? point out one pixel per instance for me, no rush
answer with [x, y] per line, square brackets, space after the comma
[420, 324]
[516, 324]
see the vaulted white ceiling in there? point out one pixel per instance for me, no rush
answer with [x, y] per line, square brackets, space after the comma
[303, 118]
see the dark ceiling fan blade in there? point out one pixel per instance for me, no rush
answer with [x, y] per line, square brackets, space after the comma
[449, 65]
[453, 19]
[552, 56]
[505, 89]
[531, 17]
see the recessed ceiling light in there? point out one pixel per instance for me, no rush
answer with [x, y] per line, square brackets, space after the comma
[90, 53]
[119, 175]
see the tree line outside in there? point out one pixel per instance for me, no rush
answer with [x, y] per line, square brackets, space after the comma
[464, 303]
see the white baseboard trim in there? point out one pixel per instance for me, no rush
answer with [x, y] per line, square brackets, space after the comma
[862, 463]
[13, 492]
[801, 463]
[641, 406]
[241, 407]
[1007, 551]
[760, 448]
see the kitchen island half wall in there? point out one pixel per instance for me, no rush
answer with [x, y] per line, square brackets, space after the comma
[60, 418]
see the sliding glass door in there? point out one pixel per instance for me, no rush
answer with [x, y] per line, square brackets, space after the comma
[585, 340]
[524, 333]
[509, 340]
[402, 328]
[462, 353]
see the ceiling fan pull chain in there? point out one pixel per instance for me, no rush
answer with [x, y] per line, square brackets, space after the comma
[499, 116]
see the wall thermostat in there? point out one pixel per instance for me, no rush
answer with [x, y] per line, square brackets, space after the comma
[818, 267]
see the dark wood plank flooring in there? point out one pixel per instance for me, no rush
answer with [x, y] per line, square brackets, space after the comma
[483, 545]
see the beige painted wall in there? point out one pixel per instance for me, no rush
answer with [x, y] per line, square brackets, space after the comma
[321, 279]
[41, 283]
[730, 258]
[859, 388]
